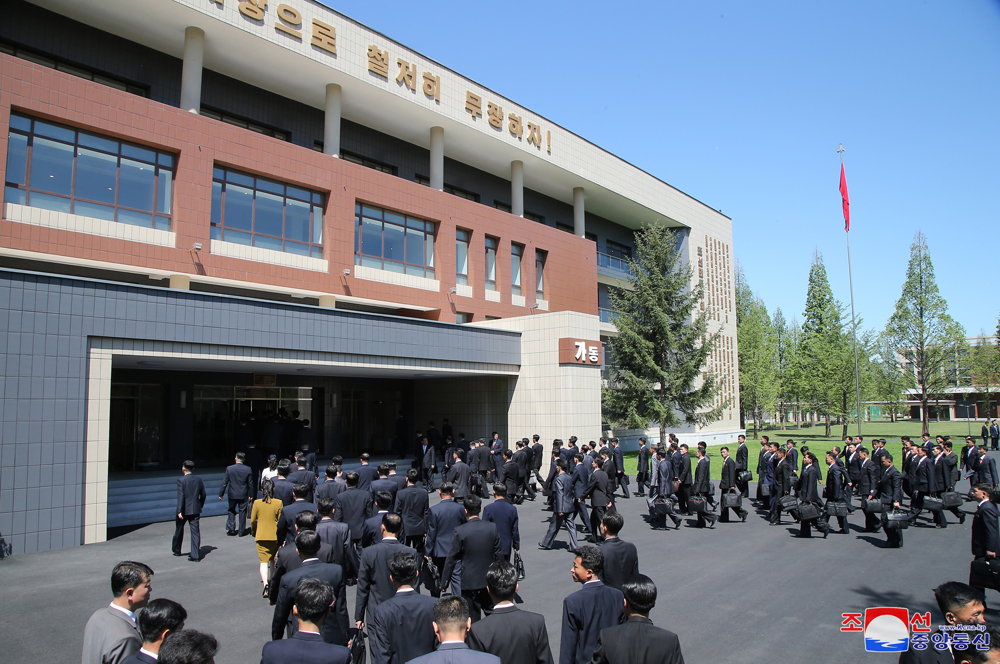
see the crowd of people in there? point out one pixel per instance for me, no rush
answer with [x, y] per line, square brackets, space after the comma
[373, 529]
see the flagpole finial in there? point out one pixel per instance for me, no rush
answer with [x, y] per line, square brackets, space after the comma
[841, 149]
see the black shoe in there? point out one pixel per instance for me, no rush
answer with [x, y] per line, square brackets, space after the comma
[194, 560]
[843, 531]
[940, 526]
[231, 533]
[267, 589]
[543, 547]
[677, 524]
[744, 517]
[961, 520]
[825, 533]
[178, 555]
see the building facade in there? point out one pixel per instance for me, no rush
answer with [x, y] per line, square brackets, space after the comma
[215, 211]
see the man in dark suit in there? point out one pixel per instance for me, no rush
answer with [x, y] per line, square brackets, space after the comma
[157, 619]
[374, 584]
[306, 445]
[459, 475]
[425, 454]
[642, 468]
[942, 477]
[485, 458]
[515, 636]
[239, 482]
[366, 473]
[330, 487]
[986, 468]
[111, 634]
[868, 488]
[353, 507]
[783, 473]
[598, 492]
[728, 483]
[313, 598]
[286, 524]
[617, 454]
[504, 515]
[761, 464]
[496, 453]
[621, 559]
[537, 457]
[371, 529]
[402, 627]
[413, 507]
[890, 493]
[580, 478]
[307, 545]
[663, 490]
[589, 610]
[383, 483]
[960, 605]
[303, 474]
[702, 487]
[510, 475]
[282, 486]
[742, 463]
[924, 482]
[442, 521]
[476, 545]
[520, 457]
[638, 641]
[791, 453]
[809, 493]
[562, 508]
[287, 560]
[682, 468]
[985, 535]
[836, 488]
[338, 536]
[451, 626]
[190, 499]
[399, 479]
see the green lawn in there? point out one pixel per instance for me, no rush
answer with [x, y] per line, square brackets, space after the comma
[817, 442]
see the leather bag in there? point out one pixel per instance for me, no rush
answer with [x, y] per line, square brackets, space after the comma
[744, 476]
[732, 499]
[698, 505]
[872, 506]
[765, 490]
[676, 485]
[951, 499]
[519, 565]
[358, 650]
[788, 503]
[808, 511]
[895, 520]
[837, 508]
[663, 506]
[933, 504]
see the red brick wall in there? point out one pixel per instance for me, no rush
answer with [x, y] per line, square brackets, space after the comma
[571, 274]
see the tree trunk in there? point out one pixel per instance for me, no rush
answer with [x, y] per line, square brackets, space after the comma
[828, 424]
[924, 417]
[663, 435]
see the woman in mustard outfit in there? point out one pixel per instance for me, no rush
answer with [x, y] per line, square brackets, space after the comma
[264, 526]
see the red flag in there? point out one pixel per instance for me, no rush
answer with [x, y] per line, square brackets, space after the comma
[847, 200]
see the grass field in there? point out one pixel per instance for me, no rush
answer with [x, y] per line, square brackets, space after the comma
[817, 442]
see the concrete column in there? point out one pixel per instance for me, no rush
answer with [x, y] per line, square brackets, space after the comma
[180, 282]
[328, 301]
[331, 121]
[437, 158]
[579, 225]
[194, 57]
[517, 188]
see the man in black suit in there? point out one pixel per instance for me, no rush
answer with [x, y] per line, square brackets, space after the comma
[353, 507]
[662, 491]
[338, 536]
[504, 515]
[836, 489]
[307, 545]
[383, 483]
[638, 641]
[642, 468]
[551, 477]
[402, 627]
[728, 483]
[442, 521]
[282, 486]
[589, 610]
[190, 499]
[239, 481]
[313, 598]
[459, 475]
[476, 545]
[451, 626]
[157, 619]
[985, 535]
[374, 584]
[782, 486]
[520, 457]
[682, 468]
[923, 483]
[286, 524]
[598, 492]
[619, 459]
[510, 474]
[303, 474]
[942, 477]
[400, 480]
[702, 487]
[621, 559]
[809, 493]
[890, 493]
[742, 463]
[868, 488]
[413, 507]
[366, 473]
[425, 454]
[537, 456]
[287, 560]
[762, 458]
[580, 478]
[496, 452]
[371, 529]
[515, 636]
[330, 488]
[562, 508]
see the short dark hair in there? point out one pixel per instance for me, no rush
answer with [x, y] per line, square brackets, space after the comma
[365, 456]
[640, 593]
[300, 490]
[988, 488]
[241, 456]
[451, 612]
[325, 506]
[446, 487]
[383, 500]
[412, 475]
[500, 490]
[352, 478]
[313, 598]
[976, 656]
[613, 521]
[501, 579]
[188, 647]
[393, 523]
[128, 574]
[404, 567]
[954, 596]
[383, 469]
[591, 558]
[306, 520]
[284, 467]
[331, 471]
[472, 504]
[159, 614]
[887, 456]
[723, 449]
[562, 465]
[307, 542]
[188, 465]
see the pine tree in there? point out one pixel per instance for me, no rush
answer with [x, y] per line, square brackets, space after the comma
[984, 360]
[783, 356]
[922, 331]
[757, 352]
[663, 342]
[890, 380]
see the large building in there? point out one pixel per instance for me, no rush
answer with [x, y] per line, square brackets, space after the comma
[215, 210]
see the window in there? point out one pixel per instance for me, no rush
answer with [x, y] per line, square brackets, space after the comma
[565, 227]
[616, 250]
[387, 240]
[58, 65]
[462, 238]
[364, 161]
[503, 207]
[463, 318]
[449, 189]
[591, 236]
[246, 124]
[516, 254]
[540, 257]
[58, 168]
[491, 262]
[531, 216]
[265, 213]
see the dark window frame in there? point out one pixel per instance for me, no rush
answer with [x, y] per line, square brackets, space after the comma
[367, 162]
[74, 69]
[245, 123]
[409, 223]
[449, 189]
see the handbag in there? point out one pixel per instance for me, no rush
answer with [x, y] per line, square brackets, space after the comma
[951, 499]
[788, 503]
[933, 504]
[663, 506]
[698, 505]
[519, 565]
[732, 499]
[744, 476]
[895, 520]
[871, 505]
[765, 490]
[676, 485]
[358, 650]
[836, 508]
[808, 511]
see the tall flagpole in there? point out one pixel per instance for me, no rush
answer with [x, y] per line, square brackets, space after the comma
[854, 325]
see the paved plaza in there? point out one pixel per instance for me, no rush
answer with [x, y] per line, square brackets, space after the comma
[743, 592]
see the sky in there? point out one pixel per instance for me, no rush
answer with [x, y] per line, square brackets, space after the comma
[743, 106]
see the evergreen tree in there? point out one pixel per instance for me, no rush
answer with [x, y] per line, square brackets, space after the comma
[984, 360]
[663, 342]
[922, 331]
[757, 351]
[890, 379]
[783, 357]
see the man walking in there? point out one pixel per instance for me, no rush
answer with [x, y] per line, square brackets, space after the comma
[504, 515]
[890, 493]
[589, 610]
[642, 468]
[402, 627]
[111, 634]
[190, 499]
[476, 545]
[621, 558]
[239, 481]
[307, 545]
[562, 508]
[598, 492]
[413, 506]
[620, 476]
[727, 484]
[442, 521]
[515, 636]
[638, 641]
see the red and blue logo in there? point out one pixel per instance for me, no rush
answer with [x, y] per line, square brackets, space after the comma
[887, 629]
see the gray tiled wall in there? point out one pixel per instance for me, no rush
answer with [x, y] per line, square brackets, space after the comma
[45, 322]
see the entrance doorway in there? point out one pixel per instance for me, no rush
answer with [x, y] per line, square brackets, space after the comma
[369, 420]
[137, 436]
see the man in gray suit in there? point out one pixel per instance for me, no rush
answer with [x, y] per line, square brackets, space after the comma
[451, 625]
[111, 634]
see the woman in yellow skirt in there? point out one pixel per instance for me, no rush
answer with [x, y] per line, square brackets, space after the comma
[264, 526]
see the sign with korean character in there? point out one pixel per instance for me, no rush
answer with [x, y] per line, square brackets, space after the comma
[581, 351]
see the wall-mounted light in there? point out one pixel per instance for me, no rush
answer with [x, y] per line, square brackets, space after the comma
[454, 289]
[347, 272]
[196, 246]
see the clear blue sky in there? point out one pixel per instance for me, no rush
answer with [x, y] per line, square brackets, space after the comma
[742, 105]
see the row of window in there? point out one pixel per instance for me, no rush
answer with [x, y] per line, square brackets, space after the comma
[463, 239]
[75, 70]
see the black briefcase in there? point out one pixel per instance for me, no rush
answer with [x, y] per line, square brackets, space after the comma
[519, 565]
[744, 476]
[951, 499]
[698, 505]
[985, 573]
[765, 490]
[872, 505]
[788, 503]
[895, 520]
[663, 506]
[808, 511]
[732, 499]
[836, 508]
[358, 650]
[933, 504]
